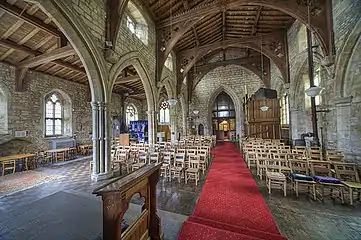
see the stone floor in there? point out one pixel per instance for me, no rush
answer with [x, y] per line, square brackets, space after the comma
[66, 209]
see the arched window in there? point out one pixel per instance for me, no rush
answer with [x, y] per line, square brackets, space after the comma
[3, 112]
[164, 113]
[169, 62]
[131, 114]
[53, 116]
[285, 107]
[136, 23]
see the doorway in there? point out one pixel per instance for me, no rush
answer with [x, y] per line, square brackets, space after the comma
[224, 118]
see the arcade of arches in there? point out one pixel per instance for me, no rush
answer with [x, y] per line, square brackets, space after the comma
[82, 75]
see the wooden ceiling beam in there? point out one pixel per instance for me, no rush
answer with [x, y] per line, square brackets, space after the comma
[30, 19]
[224, 24]
[47, 57]
[127, 79]
[254, 30]
[186, 7]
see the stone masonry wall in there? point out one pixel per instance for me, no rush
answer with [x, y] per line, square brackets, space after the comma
[233, 77]
[25, 109]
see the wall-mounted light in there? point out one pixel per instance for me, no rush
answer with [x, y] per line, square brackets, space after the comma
[264, 108]
[172, 102]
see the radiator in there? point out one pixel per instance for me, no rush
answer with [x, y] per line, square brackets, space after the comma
[62, 143]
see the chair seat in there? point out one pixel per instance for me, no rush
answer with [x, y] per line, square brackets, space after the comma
[303, 177]
[275, 176]
[352, 185]
[192, 170]
[322, 179]
[177, 168]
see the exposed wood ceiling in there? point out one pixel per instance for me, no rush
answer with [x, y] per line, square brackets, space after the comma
[30, 40]
[225, 24]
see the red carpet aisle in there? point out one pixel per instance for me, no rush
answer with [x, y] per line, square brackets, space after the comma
[230, 206]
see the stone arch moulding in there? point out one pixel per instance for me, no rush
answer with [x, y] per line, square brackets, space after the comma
[166, 82]
[237, 104]
[251, 64]
[321, 22]
[4, 106]
[274, 46]
[343, 59]
[83, 44]
[301, 59]
[133, 58]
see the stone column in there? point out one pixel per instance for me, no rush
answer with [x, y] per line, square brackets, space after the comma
[101, 137]
[95, 138]
[101, 143]
[294, 123]
[343, 123]
[152, 128]
[107, 139]
[173, 124]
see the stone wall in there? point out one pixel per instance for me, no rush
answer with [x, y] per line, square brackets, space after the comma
[346, 135]
[26, 109]
[232, 79]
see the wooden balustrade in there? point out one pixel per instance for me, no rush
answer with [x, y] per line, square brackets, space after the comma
[116, 196]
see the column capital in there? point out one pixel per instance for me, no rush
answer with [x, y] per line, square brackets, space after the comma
[343, 101]
[95, 105]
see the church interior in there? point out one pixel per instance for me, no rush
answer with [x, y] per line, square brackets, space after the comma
[180, 119]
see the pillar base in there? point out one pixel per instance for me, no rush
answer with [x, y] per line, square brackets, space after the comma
[101, 176]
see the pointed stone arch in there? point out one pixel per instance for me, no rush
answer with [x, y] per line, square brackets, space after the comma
[237, 104]
[75, 31]
[343, 60]
[134, 59]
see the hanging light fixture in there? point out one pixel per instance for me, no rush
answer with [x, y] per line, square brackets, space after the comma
[172, 102]
[314, 91]
[196, 112]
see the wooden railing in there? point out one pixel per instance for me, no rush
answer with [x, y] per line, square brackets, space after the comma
[116, 196]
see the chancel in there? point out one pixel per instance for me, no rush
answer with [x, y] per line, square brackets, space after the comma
[180, 119]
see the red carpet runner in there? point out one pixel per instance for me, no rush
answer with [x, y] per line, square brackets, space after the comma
[230, 205]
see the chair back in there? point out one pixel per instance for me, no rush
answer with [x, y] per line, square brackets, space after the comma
[347, 172]
[320, 168]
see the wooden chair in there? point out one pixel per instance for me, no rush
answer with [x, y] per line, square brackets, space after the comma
[261, 163]
[274, 177]
[178, 167]
[300, 175]
[251, 159]
[166, 163]
[9, 165]
[322, 174]
[139, 162]
[203, 160]
[348, 173]
[154, 157]
[60, 156]
[192, 172]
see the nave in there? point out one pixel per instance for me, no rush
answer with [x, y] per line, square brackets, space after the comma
[56, 207]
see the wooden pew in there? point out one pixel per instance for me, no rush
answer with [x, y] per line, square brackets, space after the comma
[116, 196]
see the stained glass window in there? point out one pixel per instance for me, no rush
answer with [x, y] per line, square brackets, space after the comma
[53, 116]
[164, 112]
[131, 114]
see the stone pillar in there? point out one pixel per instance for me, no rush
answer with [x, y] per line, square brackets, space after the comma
[343, 123]
[101, 137]
[107, 139]
[101, 143]
[294, 123]
[173, 124]
[152, 128]
[96, 155]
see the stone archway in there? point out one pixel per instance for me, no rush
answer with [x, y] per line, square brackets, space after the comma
[342, 62]
[94, 63]
[237, 104]
[133, 58]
